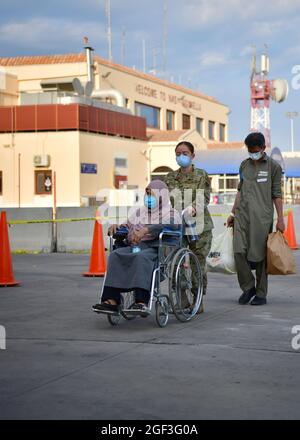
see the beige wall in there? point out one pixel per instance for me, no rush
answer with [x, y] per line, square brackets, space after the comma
[102, 150]
[67, 151]
[8, 88]
[30, 76]
[63, 148]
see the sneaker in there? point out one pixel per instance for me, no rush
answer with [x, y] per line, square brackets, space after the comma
[142, 308]
[104, 307]
[246, 296]
[257, 301]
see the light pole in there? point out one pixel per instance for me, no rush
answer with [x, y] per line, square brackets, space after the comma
[292, 116]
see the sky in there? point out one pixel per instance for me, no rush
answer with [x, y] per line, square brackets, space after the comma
[209, 45]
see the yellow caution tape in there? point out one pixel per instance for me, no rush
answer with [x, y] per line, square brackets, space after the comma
[58, 220]
[68, 220]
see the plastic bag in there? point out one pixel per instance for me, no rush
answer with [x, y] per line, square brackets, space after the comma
[280, 259]
[221, 258]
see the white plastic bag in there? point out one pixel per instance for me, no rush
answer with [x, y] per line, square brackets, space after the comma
[220, 258]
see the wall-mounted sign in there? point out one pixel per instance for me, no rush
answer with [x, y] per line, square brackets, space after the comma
[88, 168]
[156, 94]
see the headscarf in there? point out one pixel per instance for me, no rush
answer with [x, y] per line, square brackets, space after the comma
[163, 213]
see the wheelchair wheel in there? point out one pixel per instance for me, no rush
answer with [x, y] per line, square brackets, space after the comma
[185, 285]
[114, 319]
[162, 310]
[127, 299]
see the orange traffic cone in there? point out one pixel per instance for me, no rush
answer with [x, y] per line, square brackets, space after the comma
[98, 261]
[6, 267]
[289, 233]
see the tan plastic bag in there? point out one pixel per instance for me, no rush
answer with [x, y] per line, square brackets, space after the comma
[280, 259]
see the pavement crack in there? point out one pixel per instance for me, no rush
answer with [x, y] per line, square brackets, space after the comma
[271, 350]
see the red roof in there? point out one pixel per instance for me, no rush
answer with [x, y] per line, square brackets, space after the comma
[81, 57]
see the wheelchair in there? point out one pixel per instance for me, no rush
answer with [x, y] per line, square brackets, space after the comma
[176, 265]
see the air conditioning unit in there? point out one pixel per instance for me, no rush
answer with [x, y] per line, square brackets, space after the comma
[41, 160]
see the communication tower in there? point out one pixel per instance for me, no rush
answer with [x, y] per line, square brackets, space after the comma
[262, 90]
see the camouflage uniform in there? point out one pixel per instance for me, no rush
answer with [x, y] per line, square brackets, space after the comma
[197, 179]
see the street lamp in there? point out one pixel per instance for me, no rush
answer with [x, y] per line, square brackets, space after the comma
[292, 116]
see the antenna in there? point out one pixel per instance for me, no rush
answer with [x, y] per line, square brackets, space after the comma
[165, 38]
[109, 35]
[253, 63]
[265, 63]
[123, 36]
[154, 61]
[144, 56]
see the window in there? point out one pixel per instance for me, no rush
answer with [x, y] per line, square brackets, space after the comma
[43, 182]
[120, 162]
[186, 122]
[222, 132]
[170, 120]
[228, 182]
[151, 114]
[0, 183]
[199, 125]
[211, 130]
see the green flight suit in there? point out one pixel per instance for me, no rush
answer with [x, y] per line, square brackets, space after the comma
[260, 183]
[196, 180]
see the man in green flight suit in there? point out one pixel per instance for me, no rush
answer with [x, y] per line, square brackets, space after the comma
[252, 218]
[188, 180]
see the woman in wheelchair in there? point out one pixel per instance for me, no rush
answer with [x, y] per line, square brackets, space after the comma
[130, 266]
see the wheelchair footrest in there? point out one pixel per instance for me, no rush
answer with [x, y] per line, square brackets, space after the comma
[106, 312]
[136, 312]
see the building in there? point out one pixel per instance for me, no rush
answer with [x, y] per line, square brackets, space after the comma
[92, 124]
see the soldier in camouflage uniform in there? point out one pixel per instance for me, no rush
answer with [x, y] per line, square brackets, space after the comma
[187, 177]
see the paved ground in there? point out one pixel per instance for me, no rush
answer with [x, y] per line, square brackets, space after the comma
[63, 361]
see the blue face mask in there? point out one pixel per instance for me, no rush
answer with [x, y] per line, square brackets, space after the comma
[256, 156]
[183, 161]
[150, 202]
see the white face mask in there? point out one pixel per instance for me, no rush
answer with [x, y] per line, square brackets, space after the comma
[256, 156]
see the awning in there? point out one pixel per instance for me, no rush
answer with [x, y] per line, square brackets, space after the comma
[292, 167]
[228, 161]
[220, 161]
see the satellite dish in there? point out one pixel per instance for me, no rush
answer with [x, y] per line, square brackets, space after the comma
[280, 90]
[89, 87]
[78, 87]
